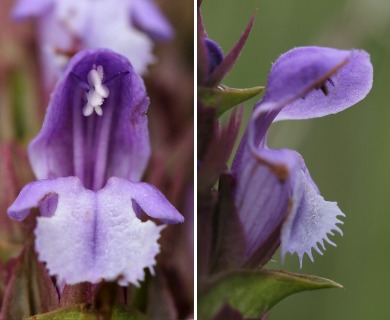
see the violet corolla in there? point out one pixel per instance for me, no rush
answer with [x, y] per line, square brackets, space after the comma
[213, 66]
[67, 26]
[277, 201]
[89, 157]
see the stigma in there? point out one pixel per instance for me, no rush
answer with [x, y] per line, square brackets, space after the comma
[98, 92]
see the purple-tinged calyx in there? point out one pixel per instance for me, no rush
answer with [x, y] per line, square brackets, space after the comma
[89, 157]
[278, 202]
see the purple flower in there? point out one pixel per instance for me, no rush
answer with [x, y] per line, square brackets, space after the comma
[277, 200]
[213, 66]
[67, 26]
[215, 54]
[90, 155]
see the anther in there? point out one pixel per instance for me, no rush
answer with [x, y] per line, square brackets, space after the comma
[95, 97]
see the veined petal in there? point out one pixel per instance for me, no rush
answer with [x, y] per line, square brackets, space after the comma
[276, 198]
[254, 138]
[146, 16]
[93, 236]
[262, 198]
[310, 82]
[304, 83]
[94, 147]
[312, 219]
[263, 192]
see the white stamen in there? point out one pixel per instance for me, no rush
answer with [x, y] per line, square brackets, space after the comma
[95, 96]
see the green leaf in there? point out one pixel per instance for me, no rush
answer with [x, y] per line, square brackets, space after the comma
[223, 98]
[254, 292]
[85, 312]
[122, 313]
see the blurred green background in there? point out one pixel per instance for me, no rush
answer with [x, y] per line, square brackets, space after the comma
[348, 154]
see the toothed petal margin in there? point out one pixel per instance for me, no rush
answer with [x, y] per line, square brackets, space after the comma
[94, 235]
[311, 220]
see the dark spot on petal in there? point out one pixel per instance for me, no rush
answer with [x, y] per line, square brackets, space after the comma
[324, 89]
[322, 86]
[281, 171]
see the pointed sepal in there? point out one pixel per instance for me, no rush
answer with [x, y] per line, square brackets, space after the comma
[231, 58]
[224, 98]
[218, 152]
[255, 292]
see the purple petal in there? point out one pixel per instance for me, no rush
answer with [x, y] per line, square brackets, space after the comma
[312, 219]
[295, 88]
[215, 54]
[95, 235]
[255, 136]
[35, 193]
[30, 8]
[310, 82]
[328, 81]
[94, 147]
[148, 197]
[269, 182]
[146, 16]
[202, 51]
[263, 195]
[230, 59]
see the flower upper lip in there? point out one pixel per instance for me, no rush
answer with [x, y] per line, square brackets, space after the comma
[75, 145]
[299, 73]
[89, 169]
